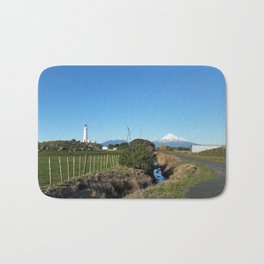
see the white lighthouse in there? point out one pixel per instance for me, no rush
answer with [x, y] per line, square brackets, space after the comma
[85, 133]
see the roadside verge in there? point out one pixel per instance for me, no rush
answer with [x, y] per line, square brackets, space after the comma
[181, 177]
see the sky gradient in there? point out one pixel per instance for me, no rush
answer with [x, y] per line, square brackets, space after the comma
[188, 101]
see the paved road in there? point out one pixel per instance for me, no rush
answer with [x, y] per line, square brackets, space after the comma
[209, 188]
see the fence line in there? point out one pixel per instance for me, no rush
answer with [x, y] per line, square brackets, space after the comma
[80, 167]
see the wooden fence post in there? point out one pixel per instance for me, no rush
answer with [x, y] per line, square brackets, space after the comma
[68, 168]
[84, 164]
[93, 163]
[79, 166]
[73, 166]
[60, 168]
[90, 163]
[106, 160]
[49, 171]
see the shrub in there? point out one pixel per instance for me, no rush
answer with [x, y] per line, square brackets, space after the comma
[163, 148]
[122, 146]
[138, 155]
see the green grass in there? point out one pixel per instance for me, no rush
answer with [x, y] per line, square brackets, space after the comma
[95, 161]
[218, 155]
[177, 188]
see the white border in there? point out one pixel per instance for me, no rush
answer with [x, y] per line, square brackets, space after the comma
[39, 34]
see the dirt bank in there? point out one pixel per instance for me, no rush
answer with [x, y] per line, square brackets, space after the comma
[177, 173]
[108, 184]
[173, 167]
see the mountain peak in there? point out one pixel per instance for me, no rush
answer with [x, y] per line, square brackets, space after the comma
[173, 141]
[171, 137]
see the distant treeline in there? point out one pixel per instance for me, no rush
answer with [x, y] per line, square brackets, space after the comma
[167, 148]
[118, 146]
[68, 146]
[76, 145]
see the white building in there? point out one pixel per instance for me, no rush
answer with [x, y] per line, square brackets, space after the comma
[104, 148]
[85, 133]
[200, 148]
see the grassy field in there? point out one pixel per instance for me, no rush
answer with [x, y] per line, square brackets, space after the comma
[79, 163]
[218, 155]
[176, 188]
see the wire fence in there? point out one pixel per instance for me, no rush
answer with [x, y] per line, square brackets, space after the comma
[56, 169]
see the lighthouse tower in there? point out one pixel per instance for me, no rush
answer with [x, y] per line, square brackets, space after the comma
[85, 133]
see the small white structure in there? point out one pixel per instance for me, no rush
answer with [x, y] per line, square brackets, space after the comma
[200, 148]
[104, 148]
[85, 133]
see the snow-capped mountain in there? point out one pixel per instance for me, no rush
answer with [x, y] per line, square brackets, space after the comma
[168, 140]
[170, 137]
[173, 141]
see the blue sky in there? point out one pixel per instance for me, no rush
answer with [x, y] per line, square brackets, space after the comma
[188, 101]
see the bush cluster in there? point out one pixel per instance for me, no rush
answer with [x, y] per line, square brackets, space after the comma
[138, 154]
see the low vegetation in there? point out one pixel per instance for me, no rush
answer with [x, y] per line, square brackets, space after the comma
[139, 154]
[218, 155]
[67, 146]
[108, 184]
[167, 148]
[118, 146]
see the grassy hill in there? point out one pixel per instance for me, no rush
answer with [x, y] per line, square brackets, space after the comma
[218, 154]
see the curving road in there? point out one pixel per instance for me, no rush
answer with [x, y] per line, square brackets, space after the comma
[211, 188]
